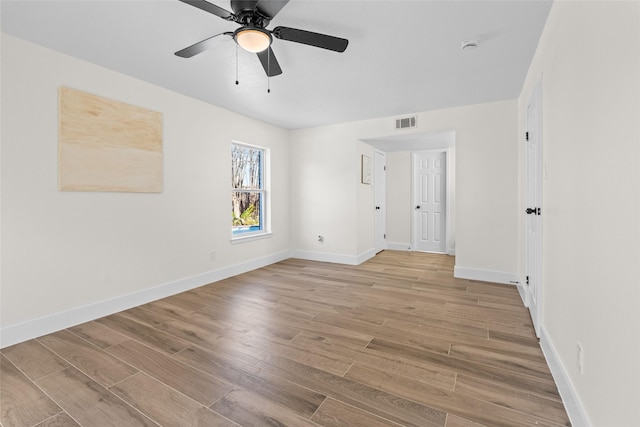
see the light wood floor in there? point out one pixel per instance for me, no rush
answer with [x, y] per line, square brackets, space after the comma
[394, 341]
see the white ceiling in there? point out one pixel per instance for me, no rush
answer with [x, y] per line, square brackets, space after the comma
[403, 56]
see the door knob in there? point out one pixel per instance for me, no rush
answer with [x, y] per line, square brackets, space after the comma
[535, 211]
[418, 207]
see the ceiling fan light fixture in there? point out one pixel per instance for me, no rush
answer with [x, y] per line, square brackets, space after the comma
[252, 39]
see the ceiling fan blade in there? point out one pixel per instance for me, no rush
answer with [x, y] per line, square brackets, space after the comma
[269, 62]
[200, 47]
[211, 8]
[271, 7]
[323, 41]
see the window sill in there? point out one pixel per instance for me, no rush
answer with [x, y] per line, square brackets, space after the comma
[243, 239]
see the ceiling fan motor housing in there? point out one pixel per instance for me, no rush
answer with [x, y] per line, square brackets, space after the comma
[252, 17]
[239, 6]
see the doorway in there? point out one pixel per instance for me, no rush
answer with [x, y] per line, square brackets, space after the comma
[398, 181]
[430, 201]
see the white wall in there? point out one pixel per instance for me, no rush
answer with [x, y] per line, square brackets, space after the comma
[326, 162]
[589, 56]
[65, 255]
[325, 187]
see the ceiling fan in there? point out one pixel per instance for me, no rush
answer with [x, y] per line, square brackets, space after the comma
[254, 16]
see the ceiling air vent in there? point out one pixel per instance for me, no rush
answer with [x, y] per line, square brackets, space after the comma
[406, 122]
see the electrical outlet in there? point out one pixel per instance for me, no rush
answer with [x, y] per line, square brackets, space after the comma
[212, 255]
[580, 357]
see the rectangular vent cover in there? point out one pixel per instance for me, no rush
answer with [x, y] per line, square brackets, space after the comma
[406, 122]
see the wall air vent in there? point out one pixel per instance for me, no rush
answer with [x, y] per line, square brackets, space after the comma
[406, 122]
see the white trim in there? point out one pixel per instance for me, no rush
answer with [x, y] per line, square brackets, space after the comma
[395, 246]
[450, 200]
[486, 275]
[399, 246]
[524, 295]
[251, 237]
[365, 256]
[334, 258]
[572, 404]
[13, 334]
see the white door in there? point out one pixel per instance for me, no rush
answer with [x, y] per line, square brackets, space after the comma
[380, 189]
[429, 204]
[533, 200]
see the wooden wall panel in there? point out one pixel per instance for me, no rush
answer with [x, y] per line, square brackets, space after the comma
[107, 145]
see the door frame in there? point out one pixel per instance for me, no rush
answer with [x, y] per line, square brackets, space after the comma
[448, 195]
[535, 271]
[380, 200]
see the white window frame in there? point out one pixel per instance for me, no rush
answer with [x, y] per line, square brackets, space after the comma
[265, 214]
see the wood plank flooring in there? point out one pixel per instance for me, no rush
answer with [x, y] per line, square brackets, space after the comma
[395, 341]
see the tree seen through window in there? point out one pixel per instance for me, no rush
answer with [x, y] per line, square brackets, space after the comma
[247, 196]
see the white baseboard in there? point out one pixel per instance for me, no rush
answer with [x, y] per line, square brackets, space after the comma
[572, 403]
[486, 275]
[366, 256]
[524, 295]
[334, 258]
[13, 334]
[395, 246]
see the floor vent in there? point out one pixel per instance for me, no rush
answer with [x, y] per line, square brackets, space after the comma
[406, 122]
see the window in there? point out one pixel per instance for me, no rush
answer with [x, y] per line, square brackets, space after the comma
[248, 190]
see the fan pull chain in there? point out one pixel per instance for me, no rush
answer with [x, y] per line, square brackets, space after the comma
[269, 70]
[237, 82]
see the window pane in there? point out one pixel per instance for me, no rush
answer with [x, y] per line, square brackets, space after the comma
[246, 167]
[246, 211]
